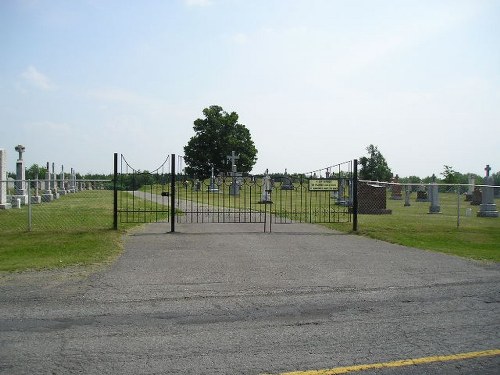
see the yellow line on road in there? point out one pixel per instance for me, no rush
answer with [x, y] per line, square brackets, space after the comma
[405, 362]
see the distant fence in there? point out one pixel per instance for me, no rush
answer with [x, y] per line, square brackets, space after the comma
[59, 205]
[451, 205]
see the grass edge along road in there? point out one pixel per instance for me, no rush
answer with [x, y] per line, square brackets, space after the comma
[400, 363]
[79, 232]
[76, 231]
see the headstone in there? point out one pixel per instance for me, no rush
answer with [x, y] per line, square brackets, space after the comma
[286, 182]
[213, 188]
[422, 195]
[372, 199]
[407, 195]
[488, 208]
[396, 189]
[341, 201]
[72, 182]
[47, 195]
[62, 183]
[234, 189]
[477, 197]
[36, 199]
[470, 190]
[54, 182]
[434, 208]
[266, 188]
[4, 205]
[196, 185]
[21, 192]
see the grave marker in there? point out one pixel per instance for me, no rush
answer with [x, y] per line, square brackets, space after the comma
[488, 208]
[20, 184]
[4, 205]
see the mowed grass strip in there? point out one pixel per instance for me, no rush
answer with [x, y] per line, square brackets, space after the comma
[474, 237]
[73, 230]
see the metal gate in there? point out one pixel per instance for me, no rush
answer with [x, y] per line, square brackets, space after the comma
[141, 196]
[167, 194]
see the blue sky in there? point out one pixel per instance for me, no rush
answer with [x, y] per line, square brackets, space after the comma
[314, 81]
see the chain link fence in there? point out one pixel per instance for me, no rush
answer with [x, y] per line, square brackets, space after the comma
[398, 205]
[56, 205]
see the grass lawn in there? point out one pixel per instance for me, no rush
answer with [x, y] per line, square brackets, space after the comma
[475, 237]
[73, 230]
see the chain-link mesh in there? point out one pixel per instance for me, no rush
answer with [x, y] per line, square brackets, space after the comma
[422, 205]
[79, 205]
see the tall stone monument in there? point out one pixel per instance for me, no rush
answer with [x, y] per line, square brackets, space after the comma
[434, 208]
[20, 185]
[488, 208]
[235, 186]
[47, 195]
[267, 188]
[4, 205]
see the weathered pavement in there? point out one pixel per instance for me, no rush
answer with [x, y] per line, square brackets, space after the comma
[229, 299]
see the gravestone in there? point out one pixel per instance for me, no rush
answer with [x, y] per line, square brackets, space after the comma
[54, 182]
[47, 195]
[267, 188]
[213, 188]
[477, 197]
[396, 189]
[341, 197]
[4, 205]
[36, 199]
[372, 199]
[62, 182]
[470, 190]
[434, 208]
[422, 195]
[407, 195]
[488, 208]
[286, 182]
[21, 192]
[234, 189]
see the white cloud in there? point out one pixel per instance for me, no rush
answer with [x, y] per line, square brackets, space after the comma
[37, 79]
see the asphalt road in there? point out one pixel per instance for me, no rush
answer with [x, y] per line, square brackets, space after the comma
[230, 299]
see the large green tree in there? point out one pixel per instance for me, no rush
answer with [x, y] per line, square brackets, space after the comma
[216, 136]
[374, 167]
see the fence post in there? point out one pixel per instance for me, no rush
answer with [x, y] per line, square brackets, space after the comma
[115, 193]
[355, 197]
[172, 194]
[29, 207]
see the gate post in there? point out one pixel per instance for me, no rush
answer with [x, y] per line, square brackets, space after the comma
[172, 194]
[355, 197]
[115, 193]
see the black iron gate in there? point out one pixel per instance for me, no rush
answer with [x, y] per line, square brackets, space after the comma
[327, 195]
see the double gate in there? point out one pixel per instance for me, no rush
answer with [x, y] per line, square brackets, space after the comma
[167, 194]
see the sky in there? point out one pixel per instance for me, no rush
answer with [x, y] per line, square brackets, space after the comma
[314, 81]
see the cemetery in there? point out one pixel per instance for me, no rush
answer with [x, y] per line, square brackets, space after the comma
[316, 197]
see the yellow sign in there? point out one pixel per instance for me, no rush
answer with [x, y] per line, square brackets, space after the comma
[324, 185]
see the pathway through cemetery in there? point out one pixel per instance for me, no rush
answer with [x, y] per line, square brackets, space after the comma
[230, 299]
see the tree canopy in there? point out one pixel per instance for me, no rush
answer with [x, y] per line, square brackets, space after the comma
[216, 136]
[374, 167]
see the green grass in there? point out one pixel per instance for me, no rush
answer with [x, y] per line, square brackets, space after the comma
[73, 230]
[475, 237]
[77, 230]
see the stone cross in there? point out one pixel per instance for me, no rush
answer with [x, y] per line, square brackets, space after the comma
[20, 149]
[233, 157]
[487, 169]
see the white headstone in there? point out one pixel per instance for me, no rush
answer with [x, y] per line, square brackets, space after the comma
[3, 181]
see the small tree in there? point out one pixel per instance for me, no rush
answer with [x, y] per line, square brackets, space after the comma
[450, 175]
[374, 167]
[216, 136]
